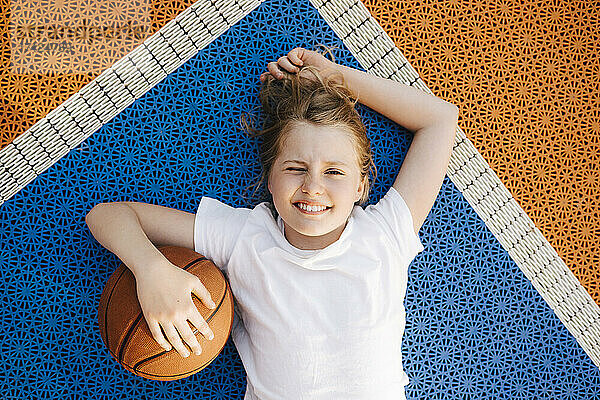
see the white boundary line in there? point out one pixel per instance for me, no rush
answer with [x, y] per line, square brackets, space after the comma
[82, 114]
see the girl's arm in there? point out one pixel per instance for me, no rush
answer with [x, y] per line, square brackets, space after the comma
[117, 227]
[128, 230]
[410, 107]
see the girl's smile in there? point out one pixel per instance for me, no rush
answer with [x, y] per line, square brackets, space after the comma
[311, 210]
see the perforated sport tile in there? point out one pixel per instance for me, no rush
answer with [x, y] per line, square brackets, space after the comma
[480, 329]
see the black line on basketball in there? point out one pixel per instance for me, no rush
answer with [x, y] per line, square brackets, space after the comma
[106, 309]
[183, 373]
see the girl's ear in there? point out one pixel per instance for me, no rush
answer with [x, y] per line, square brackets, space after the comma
[361, 188]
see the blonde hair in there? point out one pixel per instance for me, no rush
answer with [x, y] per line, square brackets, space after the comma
[321, 101]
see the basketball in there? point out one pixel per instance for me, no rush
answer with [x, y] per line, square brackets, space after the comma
[126, 334]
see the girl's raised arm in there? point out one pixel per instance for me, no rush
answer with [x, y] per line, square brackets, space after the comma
[433, 122]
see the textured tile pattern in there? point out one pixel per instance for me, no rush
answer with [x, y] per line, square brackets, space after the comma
[476, 325]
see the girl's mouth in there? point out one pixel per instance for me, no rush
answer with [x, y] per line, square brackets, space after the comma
[297, 205]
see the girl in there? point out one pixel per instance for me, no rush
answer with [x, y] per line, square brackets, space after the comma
[319, 280]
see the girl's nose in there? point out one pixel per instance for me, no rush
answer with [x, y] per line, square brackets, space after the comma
[312, 186]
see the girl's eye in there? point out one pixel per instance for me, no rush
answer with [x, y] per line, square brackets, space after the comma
[302, 169]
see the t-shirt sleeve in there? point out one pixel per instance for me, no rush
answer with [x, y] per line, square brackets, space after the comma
[216, 230]
[392, 214]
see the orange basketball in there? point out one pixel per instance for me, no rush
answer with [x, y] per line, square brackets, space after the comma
[128, 338]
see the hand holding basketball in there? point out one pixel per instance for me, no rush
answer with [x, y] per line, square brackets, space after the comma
[164, 292]
[166, 298]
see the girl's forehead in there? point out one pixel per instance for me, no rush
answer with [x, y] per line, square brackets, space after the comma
[327, 145]
[339, 157]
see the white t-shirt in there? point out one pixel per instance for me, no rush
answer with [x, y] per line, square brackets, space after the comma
[315, 324]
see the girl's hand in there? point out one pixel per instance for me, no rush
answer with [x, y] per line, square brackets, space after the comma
[295, 59]
[164, 292]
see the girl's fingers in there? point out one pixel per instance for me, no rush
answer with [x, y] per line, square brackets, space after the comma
[290, 63]
[286, 63]
[201, 325]
[157, 335]
[263, 77]
[175, 340]
[186, 333]
[295, 57]
[283, 64]
[202, 293]
[274, 70]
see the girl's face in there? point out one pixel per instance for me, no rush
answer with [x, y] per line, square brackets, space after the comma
[302, 173]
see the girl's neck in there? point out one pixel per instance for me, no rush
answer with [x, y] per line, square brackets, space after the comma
[304, 242]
